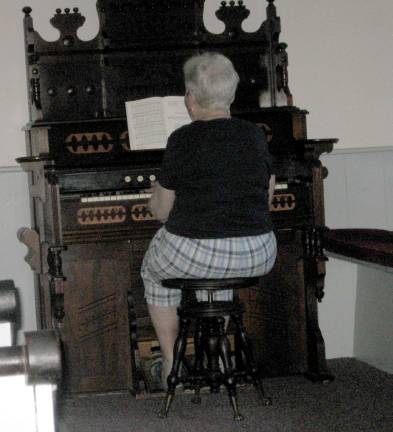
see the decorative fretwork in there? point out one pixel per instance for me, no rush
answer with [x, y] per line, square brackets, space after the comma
[89, 142]
[140, 213]
[101, 215]
[283, 202]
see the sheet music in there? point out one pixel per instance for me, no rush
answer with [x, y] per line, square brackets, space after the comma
[146, 124]
[152, 120]
[175, 113]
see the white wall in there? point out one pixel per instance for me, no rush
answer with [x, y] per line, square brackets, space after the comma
[358, 189]
[340, 70]
[15, 213]
[373, 339]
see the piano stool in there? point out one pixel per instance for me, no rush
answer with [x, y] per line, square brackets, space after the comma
[211, 339]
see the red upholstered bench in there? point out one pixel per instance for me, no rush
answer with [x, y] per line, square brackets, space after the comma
[369, 245]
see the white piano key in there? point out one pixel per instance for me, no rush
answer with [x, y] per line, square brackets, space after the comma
[281, 186]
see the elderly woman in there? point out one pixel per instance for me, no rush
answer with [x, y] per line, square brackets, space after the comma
[212, 195]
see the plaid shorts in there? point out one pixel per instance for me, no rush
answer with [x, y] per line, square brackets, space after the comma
[170, 256]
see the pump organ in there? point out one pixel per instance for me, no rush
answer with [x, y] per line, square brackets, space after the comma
[90, 223]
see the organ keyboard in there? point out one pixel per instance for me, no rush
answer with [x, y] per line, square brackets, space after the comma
[102, 197]
[90, 222]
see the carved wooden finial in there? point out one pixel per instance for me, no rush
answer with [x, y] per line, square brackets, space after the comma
[68, 21]
[27, 10]
[68, 24]
[271, 9]
[232, 15]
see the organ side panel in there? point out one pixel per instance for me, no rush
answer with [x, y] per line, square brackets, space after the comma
[275, 313]
[95, 330]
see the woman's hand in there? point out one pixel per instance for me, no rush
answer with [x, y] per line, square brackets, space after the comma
[161, 201]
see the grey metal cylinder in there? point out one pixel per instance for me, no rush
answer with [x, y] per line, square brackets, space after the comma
[43, 356]
[8, 301]
[12, 360]
[39, 359]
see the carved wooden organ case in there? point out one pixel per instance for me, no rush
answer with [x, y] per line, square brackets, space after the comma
[90, 224]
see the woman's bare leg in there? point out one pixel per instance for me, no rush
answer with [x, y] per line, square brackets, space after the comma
[166, 325]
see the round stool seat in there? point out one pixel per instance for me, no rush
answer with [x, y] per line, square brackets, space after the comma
[210, 284]
[210, 310]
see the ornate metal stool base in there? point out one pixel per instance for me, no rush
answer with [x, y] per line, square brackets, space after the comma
[212, 344]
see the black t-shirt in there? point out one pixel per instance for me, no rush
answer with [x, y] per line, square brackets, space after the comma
[220, 171]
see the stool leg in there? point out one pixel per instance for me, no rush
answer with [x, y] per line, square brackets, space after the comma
[239, 360]
[211, 339]
[229, 373]
[178, 356]
[198, 364]
[245, 346]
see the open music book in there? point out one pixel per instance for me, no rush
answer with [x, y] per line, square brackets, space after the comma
[151, 120]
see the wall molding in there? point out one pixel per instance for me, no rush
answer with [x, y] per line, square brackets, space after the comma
[334, 152]
[10, 169]
[356, 150]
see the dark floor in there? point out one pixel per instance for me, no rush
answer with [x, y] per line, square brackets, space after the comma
[360, 399]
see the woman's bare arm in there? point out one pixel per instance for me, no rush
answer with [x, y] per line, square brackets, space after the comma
[272, 183]
[161, 202]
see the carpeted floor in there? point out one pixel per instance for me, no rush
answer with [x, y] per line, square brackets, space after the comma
[360, 399]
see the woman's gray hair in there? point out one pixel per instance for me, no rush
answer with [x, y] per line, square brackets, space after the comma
[212, 79]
